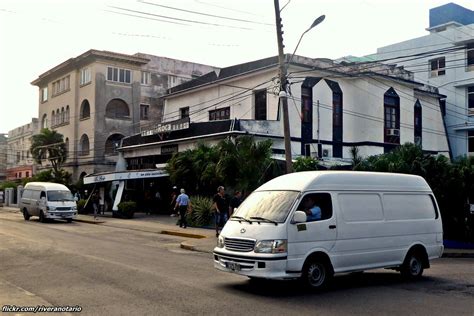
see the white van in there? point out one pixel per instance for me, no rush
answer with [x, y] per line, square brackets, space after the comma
[310, 225]
[47, 201]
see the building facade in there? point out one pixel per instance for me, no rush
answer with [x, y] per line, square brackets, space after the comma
[99, 97]
[3, 156]
[20, 163]
[444, 59]
[332, 108]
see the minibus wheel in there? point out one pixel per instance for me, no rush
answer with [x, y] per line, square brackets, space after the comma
[412, 267]
[316, 273]
[26, 216]
[69, 220]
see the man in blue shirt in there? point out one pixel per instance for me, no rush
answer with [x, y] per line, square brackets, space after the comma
[313, 212]
[182, 204]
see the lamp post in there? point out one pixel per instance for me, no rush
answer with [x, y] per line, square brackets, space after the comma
[283, 96]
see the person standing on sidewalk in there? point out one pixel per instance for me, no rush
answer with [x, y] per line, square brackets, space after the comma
[221, 205]
[182, 204]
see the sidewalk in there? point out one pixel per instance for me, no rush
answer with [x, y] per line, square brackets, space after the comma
[197, 239]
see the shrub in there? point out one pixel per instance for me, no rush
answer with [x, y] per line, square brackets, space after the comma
[305, 164]
[127, 209]
[201, 212]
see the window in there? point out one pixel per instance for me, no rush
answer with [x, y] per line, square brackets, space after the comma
[84, 145]
[391, 117]
[44, 94]
[317, 206]
[85, 110]
[418, 123]
[261, 105]
[470, 100]
[19, 174]
[85, 76]
[112, 143]
[219, 114]
[306, 104]
[117, 108]
[442, 106]
[61, 85]
[119, 75]
[18, 157]
[44, 121]
[470, 56]
[144, 111]
[27, 174]
[53, 118]
[184, 112]
[470, 148]
[67, 114]
[146, 78]
[63, 116]
[438, 67]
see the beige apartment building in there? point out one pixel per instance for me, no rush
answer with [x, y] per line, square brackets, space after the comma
[20, 163]
[99, 97]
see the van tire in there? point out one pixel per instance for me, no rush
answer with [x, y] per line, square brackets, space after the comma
[412, 267]
[42, 219]
[26, 215]
[69, 220]
[317, 273]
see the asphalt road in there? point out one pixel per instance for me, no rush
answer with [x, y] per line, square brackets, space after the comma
[114, 271]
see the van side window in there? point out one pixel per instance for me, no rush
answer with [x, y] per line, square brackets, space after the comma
[317, 206]
[26, 194]
[42, 195]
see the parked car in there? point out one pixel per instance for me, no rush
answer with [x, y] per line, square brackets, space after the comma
[311, 225]
[47, 201]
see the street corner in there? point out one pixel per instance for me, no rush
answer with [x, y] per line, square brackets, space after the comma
[205, 245]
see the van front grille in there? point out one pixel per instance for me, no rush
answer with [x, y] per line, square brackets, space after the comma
[61, 208]
[239, 244]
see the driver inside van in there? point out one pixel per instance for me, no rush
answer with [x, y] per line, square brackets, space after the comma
[312, 210]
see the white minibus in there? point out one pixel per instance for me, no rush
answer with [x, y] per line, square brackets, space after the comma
[311, 225]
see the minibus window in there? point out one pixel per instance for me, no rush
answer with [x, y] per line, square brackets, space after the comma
[271, 205]
[317, 206]
[60, 196]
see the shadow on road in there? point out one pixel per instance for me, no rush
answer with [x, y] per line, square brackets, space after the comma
[294, 288]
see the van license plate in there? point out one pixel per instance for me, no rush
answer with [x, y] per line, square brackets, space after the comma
[233, 266]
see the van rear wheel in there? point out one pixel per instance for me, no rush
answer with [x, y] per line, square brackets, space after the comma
[412, 267]
[26, 216]
[316, 274]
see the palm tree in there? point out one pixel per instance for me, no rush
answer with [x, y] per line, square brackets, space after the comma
[49, 145]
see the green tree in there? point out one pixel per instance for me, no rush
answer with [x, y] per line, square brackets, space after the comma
[49, 145]
[305, 164]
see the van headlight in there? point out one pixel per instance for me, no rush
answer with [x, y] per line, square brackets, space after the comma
[271, 246]
[220, 242]
[74, 208]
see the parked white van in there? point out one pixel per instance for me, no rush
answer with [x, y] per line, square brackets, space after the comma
[310, 225]
[47, 201]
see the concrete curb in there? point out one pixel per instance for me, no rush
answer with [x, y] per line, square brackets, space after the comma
[458, 255]
[182, 234]
[191, 247]
[88, 221]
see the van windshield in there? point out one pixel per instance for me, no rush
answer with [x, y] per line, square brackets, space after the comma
[271, 205]
[60, 196]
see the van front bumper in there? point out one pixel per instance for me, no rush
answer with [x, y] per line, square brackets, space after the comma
[268, 267]
[60, 215]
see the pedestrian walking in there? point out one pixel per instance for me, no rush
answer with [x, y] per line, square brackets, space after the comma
[182, 204]
[95, 203]
[235, 202]
[221, 206]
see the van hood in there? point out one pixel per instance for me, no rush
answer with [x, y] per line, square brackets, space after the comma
[256, 231]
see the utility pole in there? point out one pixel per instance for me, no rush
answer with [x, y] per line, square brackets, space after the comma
[283, 97]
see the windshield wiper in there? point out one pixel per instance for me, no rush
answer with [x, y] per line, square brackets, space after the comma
[263, 219]
[240, 218]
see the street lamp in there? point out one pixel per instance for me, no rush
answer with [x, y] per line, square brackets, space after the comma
[283, 81]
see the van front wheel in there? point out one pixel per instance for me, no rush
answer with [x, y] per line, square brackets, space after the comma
[316, 274]
[26, 216]
[412, 267]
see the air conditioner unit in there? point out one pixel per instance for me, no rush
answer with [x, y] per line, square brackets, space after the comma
[393, 132]
[326, 152]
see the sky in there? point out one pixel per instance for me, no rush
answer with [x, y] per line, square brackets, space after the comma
[37, 35]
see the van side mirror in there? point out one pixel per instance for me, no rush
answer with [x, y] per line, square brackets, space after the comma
[299, 217]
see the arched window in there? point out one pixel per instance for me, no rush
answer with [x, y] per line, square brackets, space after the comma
[67, 113]
[112, 143]
[391, 119]
[418, 123]
[58, 117]
[44, 121]
[85, 110]
[63, 116]
[53, 118]
[117, 108]
[84, 145]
